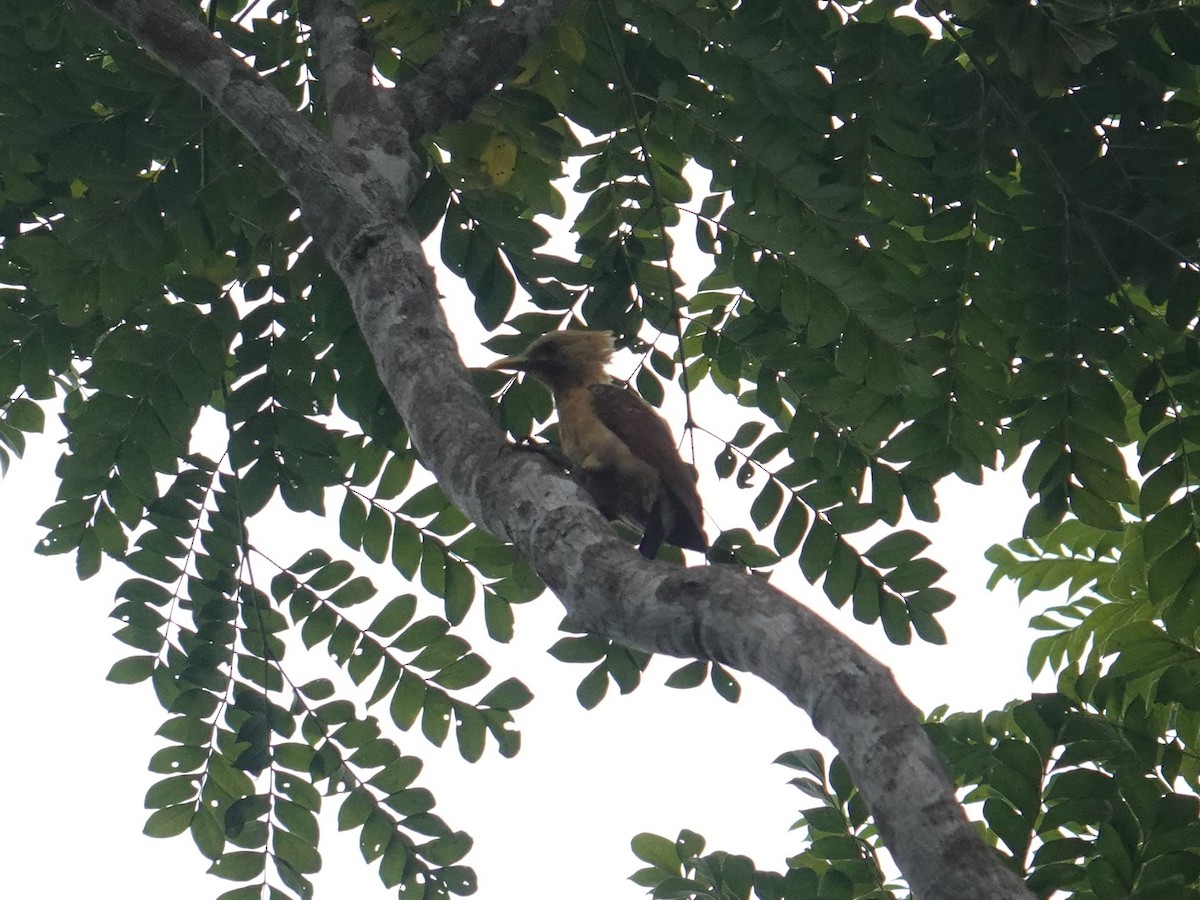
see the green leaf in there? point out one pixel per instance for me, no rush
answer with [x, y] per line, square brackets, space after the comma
[593, 687]
[460, 591]
[297, 853]
[352, 521]
[426, 502]
[186, 730]
[395, 615]
[1008, 825]
[142, 591]
[173, 759]
[435, 717]
[498, 616]
[318, 626]
[308, 562]
[725, 684]
[207, 833]
[406, 549]
[394, 861]
[747, 434]
[790, 530]
[1173, 568]
[866, 598]
[240, 865]
[470, 733]
[353, 592]
[171, 791]
[444, 851]
[817, 551]
[131, 670]
[658, 851]
[808, 760]
[586, 649]
[320, 689]
[330, 575]
[433, 567]
[469, 670]
[169, 821]
[250, 892]
[421, 633]
[377, 536]
[926, 626]
[897, 548]
[689, 676]
[395, 477]
[895, 620]
[407, 700]
[508, 695]
[356, 808]
[375, 753]
[766, 505]
[842, 575]
[914, 575]
[22, 413]
[440, 653]
[397, 775]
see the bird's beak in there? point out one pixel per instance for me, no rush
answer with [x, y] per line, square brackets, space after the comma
[511, 363]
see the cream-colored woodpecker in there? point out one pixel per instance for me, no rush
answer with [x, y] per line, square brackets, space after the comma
[620, 449]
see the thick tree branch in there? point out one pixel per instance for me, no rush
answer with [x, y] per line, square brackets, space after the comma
[345, 57]
[707, 613]
[475, 58]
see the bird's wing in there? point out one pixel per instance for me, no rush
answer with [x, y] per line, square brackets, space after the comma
[643, 430]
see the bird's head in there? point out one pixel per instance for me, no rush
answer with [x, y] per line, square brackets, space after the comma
[564, 359]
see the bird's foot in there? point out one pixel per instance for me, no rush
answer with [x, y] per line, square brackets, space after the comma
[552, 452]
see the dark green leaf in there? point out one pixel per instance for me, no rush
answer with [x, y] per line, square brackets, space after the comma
[593, 687]
[689, 676]
[131, 670]
[509, 695]
[169, 821]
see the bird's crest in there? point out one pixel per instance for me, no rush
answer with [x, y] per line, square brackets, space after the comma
[590, 348]
[564, 359]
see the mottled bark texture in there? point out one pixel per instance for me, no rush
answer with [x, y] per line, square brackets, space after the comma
[353, 191]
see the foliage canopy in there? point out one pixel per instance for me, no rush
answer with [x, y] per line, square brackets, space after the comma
[928, 254]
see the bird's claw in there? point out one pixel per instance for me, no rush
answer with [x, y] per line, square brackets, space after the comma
[552, 452]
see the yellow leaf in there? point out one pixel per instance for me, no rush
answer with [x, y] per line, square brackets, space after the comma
[499, 160]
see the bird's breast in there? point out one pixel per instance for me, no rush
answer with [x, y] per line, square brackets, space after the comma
[590, 444]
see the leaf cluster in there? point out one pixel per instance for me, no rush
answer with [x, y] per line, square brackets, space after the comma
[840, 862]
[923, 250]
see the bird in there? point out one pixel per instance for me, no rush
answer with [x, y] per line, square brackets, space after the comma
[620, 449]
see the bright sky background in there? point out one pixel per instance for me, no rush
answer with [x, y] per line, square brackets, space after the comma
[553, 822]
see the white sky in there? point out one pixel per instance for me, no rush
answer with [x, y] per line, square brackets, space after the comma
[553, 822]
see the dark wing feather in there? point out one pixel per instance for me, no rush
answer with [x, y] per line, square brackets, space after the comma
[643, 430]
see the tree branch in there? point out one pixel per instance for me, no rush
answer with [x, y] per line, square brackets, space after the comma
[345, 57]
[474, 59]
[711, 613]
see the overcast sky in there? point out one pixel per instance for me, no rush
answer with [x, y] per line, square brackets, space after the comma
[555, 821]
